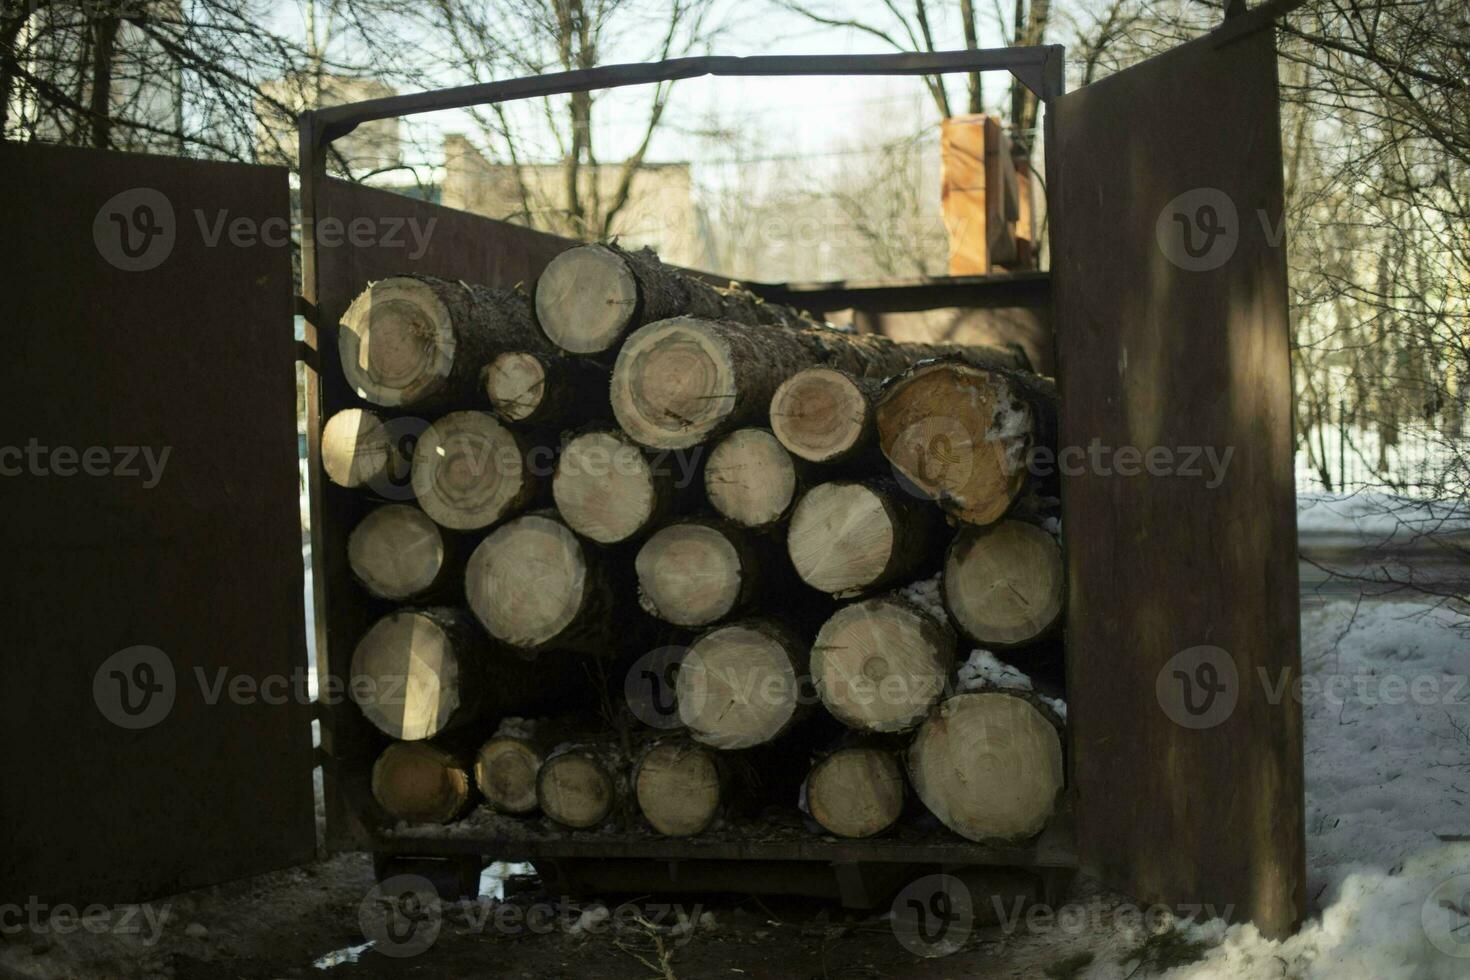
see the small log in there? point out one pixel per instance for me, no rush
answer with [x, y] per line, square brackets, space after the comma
[740, 685]
[589, 298]
[1004, 584]
[580, 786]
[988, 765]
[751, 479]
[541, 388]
[608, 489]
[825, 415]
[470, 471]
[397, 552]
[964, 436]
[533, 585]
[418, 672]
[420, 342]
[847, 537]
[856, 791]
[680, 787]
[508, 763]
[698, 571]
[879, 665]
[418, 782]
[357, 451]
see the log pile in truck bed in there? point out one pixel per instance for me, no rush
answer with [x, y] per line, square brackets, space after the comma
[826, 534]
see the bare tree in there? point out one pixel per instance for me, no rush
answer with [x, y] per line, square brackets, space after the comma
[526, 37]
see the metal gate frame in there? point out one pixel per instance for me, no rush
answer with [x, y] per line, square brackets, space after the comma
[1039, 68]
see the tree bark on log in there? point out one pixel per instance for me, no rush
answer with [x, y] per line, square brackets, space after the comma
[848, 537]
[542, 388]
[751, 479]
[856, 791]
[419, 342]
[1004, 584]
[824, 415]
[881, 664]
[398, 553]
[988, 765]
[470, 471]
[685, 380]
[358, 450]
[699, 571]
[533, 585]
[418, 782]
[740, 685]
[419, 672]
[964, 436]
[589, 298]
[609, 489]
[681, 786]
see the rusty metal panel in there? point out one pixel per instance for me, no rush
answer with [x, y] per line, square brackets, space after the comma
[1169, 276]
[363, 234]
[139, 587]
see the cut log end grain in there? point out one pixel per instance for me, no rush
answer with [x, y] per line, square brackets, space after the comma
[856, 791]
[420, 783]
[358, 450]
[397, 342]
[961, 435]
[750, 478]
[739, 685]
[515, 383]
[528, 581]
[692, 574]
[407, 675]
[821, 414]
[674, 383]
[605, 487]
[1004, 584]
[469, 471]
[881, 664]
[396, 552]
[586, 298]
[506, 768]
[575, 789]
[988, 765]
[678, 788]
[847, 538]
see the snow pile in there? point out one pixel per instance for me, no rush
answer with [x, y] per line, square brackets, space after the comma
[984, 671]
[925, 595]
[523, 728]
[1381, 925]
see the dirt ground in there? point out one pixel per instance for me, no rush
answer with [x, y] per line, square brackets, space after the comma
[309, 922]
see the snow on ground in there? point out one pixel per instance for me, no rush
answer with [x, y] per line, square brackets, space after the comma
[1378, 516]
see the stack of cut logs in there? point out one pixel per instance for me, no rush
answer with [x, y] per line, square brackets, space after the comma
[797, 526]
